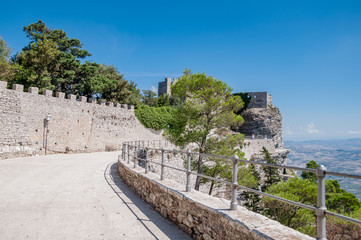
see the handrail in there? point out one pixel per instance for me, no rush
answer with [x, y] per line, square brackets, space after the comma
[320, 172]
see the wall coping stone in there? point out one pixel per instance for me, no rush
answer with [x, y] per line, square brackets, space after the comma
[83, 98]
[48, 93]
[71, 97]
[33, 90]
[18, 87]
[60, 95]
[3, 84]
[251, 225]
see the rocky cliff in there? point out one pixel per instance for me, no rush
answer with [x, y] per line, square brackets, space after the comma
[263, 128]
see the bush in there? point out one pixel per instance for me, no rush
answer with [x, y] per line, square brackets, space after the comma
[155, 117]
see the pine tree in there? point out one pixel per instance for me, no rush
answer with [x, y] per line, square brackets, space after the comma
[272, 174]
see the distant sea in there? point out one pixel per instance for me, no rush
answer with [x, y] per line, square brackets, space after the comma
[336, 155]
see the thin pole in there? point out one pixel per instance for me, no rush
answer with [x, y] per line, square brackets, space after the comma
[146, 160]
[128, 152]
[321, 203]
[234, 203]
[188, 185]
[162, 166]
[135, 156]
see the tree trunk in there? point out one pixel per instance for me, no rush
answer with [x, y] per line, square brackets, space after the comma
[211, 188]
[199, 170]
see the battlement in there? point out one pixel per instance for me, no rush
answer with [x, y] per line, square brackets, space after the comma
[165, 87]
[61, 95]
[259, 100]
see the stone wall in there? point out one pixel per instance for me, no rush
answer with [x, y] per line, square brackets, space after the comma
[76, 125]
[200, 215]
[259, 100]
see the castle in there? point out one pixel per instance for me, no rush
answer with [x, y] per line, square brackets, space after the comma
[165, 87]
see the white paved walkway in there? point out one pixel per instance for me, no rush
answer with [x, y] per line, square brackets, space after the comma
[74, 196]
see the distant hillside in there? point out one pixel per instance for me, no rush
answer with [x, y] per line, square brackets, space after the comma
[336, 155]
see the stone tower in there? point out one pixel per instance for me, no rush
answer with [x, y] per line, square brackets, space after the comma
[165, 87]
[259, 100]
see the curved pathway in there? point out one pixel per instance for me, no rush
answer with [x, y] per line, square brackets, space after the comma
[74, 196]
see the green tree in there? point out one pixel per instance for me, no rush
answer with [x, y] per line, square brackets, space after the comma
[149, 98]
[310, 175]
[208, 110]
[163, 100]
[7, 70]
[61, 71]
[222, 168]
[36, 62]
[253, 200]
[298, 190]
[272, 174]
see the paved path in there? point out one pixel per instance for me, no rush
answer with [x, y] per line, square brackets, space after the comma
[74, 196]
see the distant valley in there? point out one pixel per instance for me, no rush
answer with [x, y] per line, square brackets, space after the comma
[336, 155]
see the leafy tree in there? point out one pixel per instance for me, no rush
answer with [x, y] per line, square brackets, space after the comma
[272, 174]
[61, 53]
[36, 63]
[222, 168]
[7, 70]
[298, 190]
[309, 175]
[135, 96]
[149, 98]
[245, 98]
[253, 200]
[208, 110]
[155, 118]
[163, 100]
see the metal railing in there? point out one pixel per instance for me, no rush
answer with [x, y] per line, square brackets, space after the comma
[321, 172]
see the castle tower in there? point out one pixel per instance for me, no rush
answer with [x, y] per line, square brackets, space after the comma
[259, 100]
[165, 87]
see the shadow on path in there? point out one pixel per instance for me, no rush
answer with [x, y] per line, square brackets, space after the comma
[131, 199]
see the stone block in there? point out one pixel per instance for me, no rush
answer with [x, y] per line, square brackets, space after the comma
[60, 95]
[131, 107]
[83, 98]
[123, 106]
[18, 87]
[101, 102]
[48, 93]
[3, 85]
[117, 105]
[33, 90]
[92, 100]
[110, 104]
[71, 97]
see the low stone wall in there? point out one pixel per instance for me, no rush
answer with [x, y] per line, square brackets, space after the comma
[200, 215]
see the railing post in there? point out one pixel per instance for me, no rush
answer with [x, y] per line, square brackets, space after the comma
[143, 144]
[128, 152]
[146, 160]
[135, 156]
[321, 203]
[234, 203]
[162, 166]
[148, 143]
[188, 186]
[123, 152]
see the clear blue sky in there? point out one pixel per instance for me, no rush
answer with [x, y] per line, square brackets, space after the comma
[307, 54]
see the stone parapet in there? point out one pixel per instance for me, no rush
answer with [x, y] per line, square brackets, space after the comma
[71, 97]
[48, 93]
[60, 95]
[33, 90]
[18, 87]
[200, 215]
[3, 85]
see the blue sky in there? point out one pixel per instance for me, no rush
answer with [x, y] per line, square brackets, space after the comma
[307, 54]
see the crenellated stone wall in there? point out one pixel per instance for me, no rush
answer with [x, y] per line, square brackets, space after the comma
[200, 215]
[76, 125]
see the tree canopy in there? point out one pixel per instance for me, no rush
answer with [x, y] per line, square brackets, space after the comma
[54, 61]
[208, 110]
